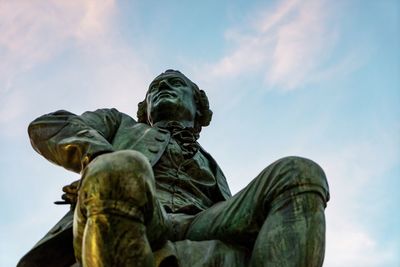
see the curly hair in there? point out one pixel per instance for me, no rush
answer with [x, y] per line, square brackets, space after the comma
[203, 113]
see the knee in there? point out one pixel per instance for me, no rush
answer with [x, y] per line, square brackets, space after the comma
[297, 175]
[304, 171]
[123, 175]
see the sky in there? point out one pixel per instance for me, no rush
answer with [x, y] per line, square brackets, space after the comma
[316, 78]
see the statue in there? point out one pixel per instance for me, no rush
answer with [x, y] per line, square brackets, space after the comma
[150, 195]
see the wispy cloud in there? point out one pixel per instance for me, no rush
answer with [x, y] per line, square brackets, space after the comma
[288, 43]
[349, 244]
[33, 31]
[356, 172]
[301, 45]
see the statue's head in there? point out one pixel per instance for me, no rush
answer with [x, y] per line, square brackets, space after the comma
[173, 97]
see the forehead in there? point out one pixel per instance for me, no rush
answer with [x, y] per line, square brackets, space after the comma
[169, 76]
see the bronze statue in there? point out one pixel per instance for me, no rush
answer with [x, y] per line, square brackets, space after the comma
[150, 195]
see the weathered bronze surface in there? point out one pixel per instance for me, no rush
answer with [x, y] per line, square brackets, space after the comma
[150, 195]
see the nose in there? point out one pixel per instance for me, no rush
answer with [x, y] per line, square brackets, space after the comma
[163, 84]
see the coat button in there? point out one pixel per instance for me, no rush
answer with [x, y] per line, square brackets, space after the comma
[55, 230]
[162, 130]
[160, 138]
[82, 133]
[153, 149]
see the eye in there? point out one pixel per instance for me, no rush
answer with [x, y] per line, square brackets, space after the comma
[176, 82]
[153, 87]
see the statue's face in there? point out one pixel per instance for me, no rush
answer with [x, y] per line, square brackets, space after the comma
[170, 97]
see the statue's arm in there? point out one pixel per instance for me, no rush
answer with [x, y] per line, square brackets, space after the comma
[73, 141]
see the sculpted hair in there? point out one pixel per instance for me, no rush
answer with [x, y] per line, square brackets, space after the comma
[203, 113]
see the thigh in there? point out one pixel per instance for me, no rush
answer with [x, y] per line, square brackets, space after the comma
[239, 219]
[236, 220]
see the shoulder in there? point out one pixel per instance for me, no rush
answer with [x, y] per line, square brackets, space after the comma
[108, 116]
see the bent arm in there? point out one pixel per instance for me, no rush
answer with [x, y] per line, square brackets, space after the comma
[73, 141]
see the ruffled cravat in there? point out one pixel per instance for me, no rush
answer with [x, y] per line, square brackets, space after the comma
[184, 136]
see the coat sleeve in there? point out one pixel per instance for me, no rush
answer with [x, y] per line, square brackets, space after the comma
[73, 141]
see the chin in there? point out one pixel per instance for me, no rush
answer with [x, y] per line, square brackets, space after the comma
[165, 110]
[165, 105]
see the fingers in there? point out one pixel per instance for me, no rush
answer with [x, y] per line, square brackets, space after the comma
[69, 198]
[71, 193]
[71, 188]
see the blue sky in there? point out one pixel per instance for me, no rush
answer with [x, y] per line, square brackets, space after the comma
[318, 79]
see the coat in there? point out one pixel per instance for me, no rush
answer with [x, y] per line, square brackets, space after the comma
[73, 141]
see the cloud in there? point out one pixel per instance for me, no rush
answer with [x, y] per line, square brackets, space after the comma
[33, 31]
[301, 46]
[101, 70]
[290, 44]
[357, 173]
[348, 244]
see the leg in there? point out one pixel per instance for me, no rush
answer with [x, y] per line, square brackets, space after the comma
[115, 204]
[293, 234]
[282, 205]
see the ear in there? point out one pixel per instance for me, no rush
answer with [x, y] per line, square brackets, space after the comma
[142, 112]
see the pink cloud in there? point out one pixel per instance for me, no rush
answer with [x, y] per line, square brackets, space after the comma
[33, 31]
[288, 43]
[270, 19]
[301, 46]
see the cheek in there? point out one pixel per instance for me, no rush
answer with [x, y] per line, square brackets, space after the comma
[189, 101]
[188, 95]
[150, 100]
[149, 104]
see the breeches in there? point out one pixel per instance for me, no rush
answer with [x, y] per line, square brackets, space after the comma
[122, 184]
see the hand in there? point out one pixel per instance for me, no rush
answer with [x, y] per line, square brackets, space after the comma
[70, 195]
